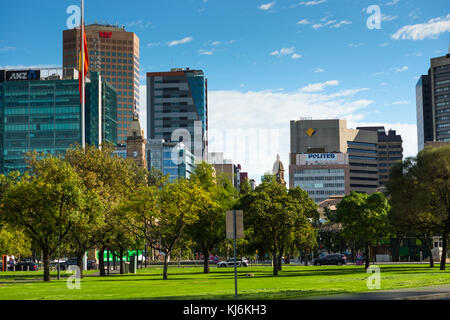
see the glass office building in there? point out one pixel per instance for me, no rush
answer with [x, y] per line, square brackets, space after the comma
[171, 158]
[44, 115]
[177, 105]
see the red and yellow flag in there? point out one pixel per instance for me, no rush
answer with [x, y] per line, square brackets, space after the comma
[83, 58]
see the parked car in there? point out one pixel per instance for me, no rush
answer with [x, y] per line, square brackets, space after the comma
[24, 266]
[230, 263]
[73, 262]
[331, 259]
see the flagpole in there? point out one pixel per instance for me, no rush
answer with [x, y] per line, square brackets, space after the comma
[83, 131]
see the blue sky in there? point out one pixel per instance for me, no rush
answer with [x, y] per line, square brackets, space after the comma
[267, 62]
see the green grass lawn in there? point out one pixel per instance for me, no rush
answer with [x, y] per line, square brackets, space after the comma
[191, 283]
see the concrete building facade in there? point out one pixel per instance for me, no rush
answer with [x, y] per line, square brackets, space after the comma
[333, 137]
[114, 53]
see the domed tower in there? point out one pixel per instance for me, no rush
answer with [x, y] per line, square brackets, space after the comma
[278, 171]
[136, 143]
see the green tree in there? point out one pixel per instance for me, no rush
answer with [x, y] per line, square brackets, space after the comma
[111, 178]
[161, 215]
[408, 216]
[276, 217]
[428, 177]
[364, 218]
[209, 229]
[13, 241]
[45, 204]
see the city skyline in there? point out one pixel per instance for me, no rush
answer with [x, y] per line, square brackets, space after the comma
[262, 70]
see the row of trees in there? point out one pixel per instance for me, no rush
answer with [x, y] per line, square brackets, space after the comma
[417, 205]
[91, 199]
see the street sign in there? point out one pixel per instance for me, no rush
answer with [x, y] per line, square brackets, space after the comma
[239, 224]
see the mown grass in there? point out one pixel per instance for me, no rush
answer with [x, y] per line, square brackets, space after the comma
[191, 283]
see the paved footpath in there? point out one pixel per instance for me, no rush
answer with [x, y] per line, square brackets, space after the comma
[441, 292]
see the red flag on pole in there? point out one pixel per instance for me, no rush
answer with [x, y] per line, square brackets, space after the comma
[84, 58]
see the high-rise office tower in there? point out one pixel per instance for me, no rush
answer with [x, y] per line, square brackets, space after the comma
[114, 53]
[390, 151]
[433, 103]
[177, 104]
[43, 113]
[328, 159]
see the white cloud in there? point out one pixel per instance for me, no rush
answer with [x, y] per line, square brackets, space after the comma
[206, 52]
[216, 43]
[394, 2]
[355, 45]
[388, 17]
[296, 56]
[7, 48]
[401, 102]
[266, 6]
[254, 140]
[402, 69]
[304, 21]
[283, 51]
[319, 70]
[321, 25]
[182, 41]
[313, 2]
[139, 24]
[316, 87]
[343, 22]
[153, 44]
[430, 29]
[384, 44]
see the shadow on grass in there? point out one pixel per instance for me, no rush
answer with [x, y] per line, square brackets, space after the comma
[262, 295]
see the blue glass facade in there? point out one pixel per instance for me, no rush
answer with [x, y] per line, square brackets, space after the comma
[171, 159]
[45, 116]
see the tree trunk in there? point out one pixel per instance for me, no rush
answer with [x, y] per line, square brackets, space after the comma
[206, 260]
[444, 248]
[80, 255]
[367, 255]
[429, 245]
[166, 266]
[287, 260]
[46, 260]
[306, 258]
[353, 251]
[275, 263]
[121, 268]
[101, 262]
[280, 256]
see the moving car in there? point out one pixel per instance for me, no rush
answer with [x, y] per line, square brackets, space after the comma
[230, 263]
[331, 259]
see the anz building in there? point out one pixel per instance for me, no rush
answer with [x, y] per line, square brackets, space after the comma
[40, 110]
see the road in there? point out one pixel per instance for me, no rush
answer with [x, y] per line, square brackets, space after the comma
[441, 292]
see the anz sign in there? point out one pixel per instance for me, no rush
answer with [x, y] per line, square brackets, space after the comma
[23, 75]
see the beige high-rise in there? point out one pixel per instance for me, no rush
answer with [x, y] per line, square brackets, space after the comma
[114, 53]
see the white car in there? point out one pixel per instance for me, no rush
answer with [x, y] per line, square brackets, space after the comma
[230, 263]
